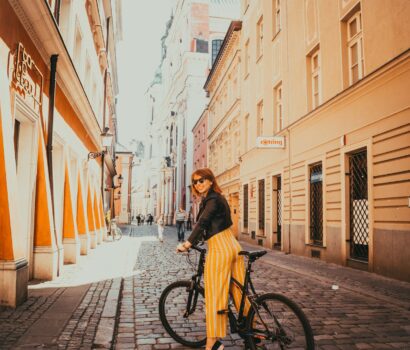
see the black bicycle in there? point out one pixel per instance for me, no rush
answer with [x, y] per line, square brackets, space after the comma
[273, 320]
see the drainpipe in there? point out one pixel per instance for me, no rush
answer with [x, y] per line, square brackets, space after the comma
[51, 103]
[57, 7]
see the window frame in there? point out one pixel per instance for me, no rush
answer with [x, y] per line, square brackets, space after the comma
[355, 39]
[278, 107]
[259, 38]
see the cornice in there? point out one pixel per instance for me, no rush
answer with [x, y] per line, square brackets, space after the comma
[234, 27]
[40, 25]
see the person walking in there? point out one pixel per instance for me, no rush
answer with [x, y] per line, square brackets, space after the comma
[161, 226]
[150, 219]
[138, 219]
[189, 221]
[180, 217]
[223, 259]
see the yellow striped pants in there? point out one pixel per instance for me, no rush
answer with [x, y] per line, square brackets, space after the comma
[221, 263]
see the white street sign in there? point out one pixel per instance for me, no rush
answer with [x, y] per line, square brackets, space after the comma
[270, 142]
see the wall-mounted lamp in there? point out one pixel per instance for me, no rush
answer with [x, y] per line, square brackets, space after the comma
[120, 179]
[106, 140]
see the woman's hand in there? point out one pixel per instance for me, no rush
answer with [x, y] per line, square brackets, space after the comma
[183, 247]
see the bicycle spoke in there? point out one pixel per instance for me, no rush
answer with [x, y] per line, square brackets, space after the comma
[280, 324]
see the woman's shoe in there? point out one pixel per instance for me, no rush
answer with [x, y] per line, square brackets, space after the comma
[217, 346]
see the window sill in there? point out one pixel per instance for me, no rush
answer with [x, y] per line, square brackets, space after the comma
[259, 58]
[246, 76]
[313, 245]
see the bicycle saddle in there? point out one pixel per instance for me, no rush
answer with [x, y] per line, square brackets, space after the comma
[253, 255]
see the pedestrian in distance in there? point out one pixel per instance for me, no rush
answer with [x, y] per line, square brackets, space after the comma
[142, 219]
[138, 219]
[150, 219]
[223, 260]
[189, 221]
[161, 227]
[180, 217]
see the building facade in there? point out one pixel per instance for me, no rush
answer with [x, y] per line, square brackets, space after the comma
[325, 132]
[200, 155]
[124, 168]
[224, 117]
[192, 39]
[58, 84]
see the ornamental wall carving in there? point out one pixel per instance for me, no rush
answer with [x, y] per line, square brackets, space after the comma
[26, 78]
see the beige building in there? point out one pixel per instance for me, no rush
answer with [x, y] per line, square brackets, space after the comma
[325, 130]
[224, 115]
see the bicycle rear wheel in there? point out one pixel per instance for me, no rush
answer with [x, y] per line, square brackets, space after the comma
[186, 330]
[287, 327]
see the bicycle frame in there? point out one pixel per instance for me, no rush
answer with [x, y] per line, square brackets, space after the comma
[239, 322]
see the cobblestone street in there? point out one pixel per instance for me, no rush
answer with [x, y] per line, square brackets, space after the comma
[366, 311]
[110, 300]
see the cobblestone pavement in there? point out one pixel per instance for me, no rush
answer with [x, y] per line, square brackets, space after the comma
[349, 317]
[78, 309]
[110, 300]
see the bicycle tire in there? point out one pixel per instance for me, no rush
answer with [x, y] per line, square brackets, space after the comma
[172, 306]
[288, 329]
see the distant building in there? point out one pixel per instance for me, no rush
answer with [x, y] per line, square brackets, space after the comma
[200, 155]
[224, 117]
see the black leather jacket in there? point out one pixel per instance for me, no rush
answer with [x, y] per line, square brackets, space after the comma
[214, 216]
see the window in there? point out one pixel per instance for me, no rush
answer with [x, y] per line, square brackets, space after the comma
[247, 58]
[315, 78]
[276, 22]
[259, 115]
[246, 129]
[201, 46]
[259, 42]
[278, 108]
[316, 204]
[216, 45]
[355, 48]
[245, 205]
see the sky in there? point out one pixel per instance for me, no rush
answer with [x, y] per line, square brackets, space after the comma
[138, 56]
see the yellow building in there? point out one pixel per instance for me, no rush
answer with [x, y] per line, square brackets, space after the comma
[325, 130]
[224, 116]
[57, 89]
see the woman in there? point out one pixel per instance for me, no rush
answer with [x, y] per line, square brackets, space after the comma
[222, 261]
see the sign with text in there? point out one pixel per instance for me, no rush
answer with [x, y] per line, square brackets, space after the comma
[270, 142]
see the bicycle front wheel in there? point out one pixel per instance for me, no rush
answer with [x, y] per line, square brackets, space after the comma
[188, 330]
[278, 324]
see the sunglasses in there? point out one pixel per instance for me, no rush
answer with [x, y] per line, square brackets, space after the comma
[200, 180]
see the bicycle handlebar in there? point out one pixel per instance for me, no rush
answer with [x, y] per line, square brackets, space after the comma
[198, 248]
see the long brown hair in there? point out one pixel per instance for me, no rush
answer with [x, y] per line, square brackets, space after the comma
[206, 173]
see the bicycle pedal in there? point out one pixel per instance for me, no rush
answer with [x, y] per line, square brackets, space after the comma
[221, 312]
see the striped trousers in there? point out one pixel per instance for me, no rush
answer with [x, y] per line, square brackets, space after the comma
[221, 263]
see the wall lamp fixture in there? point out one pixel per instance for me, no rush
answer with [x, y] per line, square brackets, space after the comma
[106, 139]
[120, 181]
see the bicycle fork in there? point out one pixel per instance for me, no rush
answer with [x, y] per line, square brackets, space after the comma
[192, 298]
